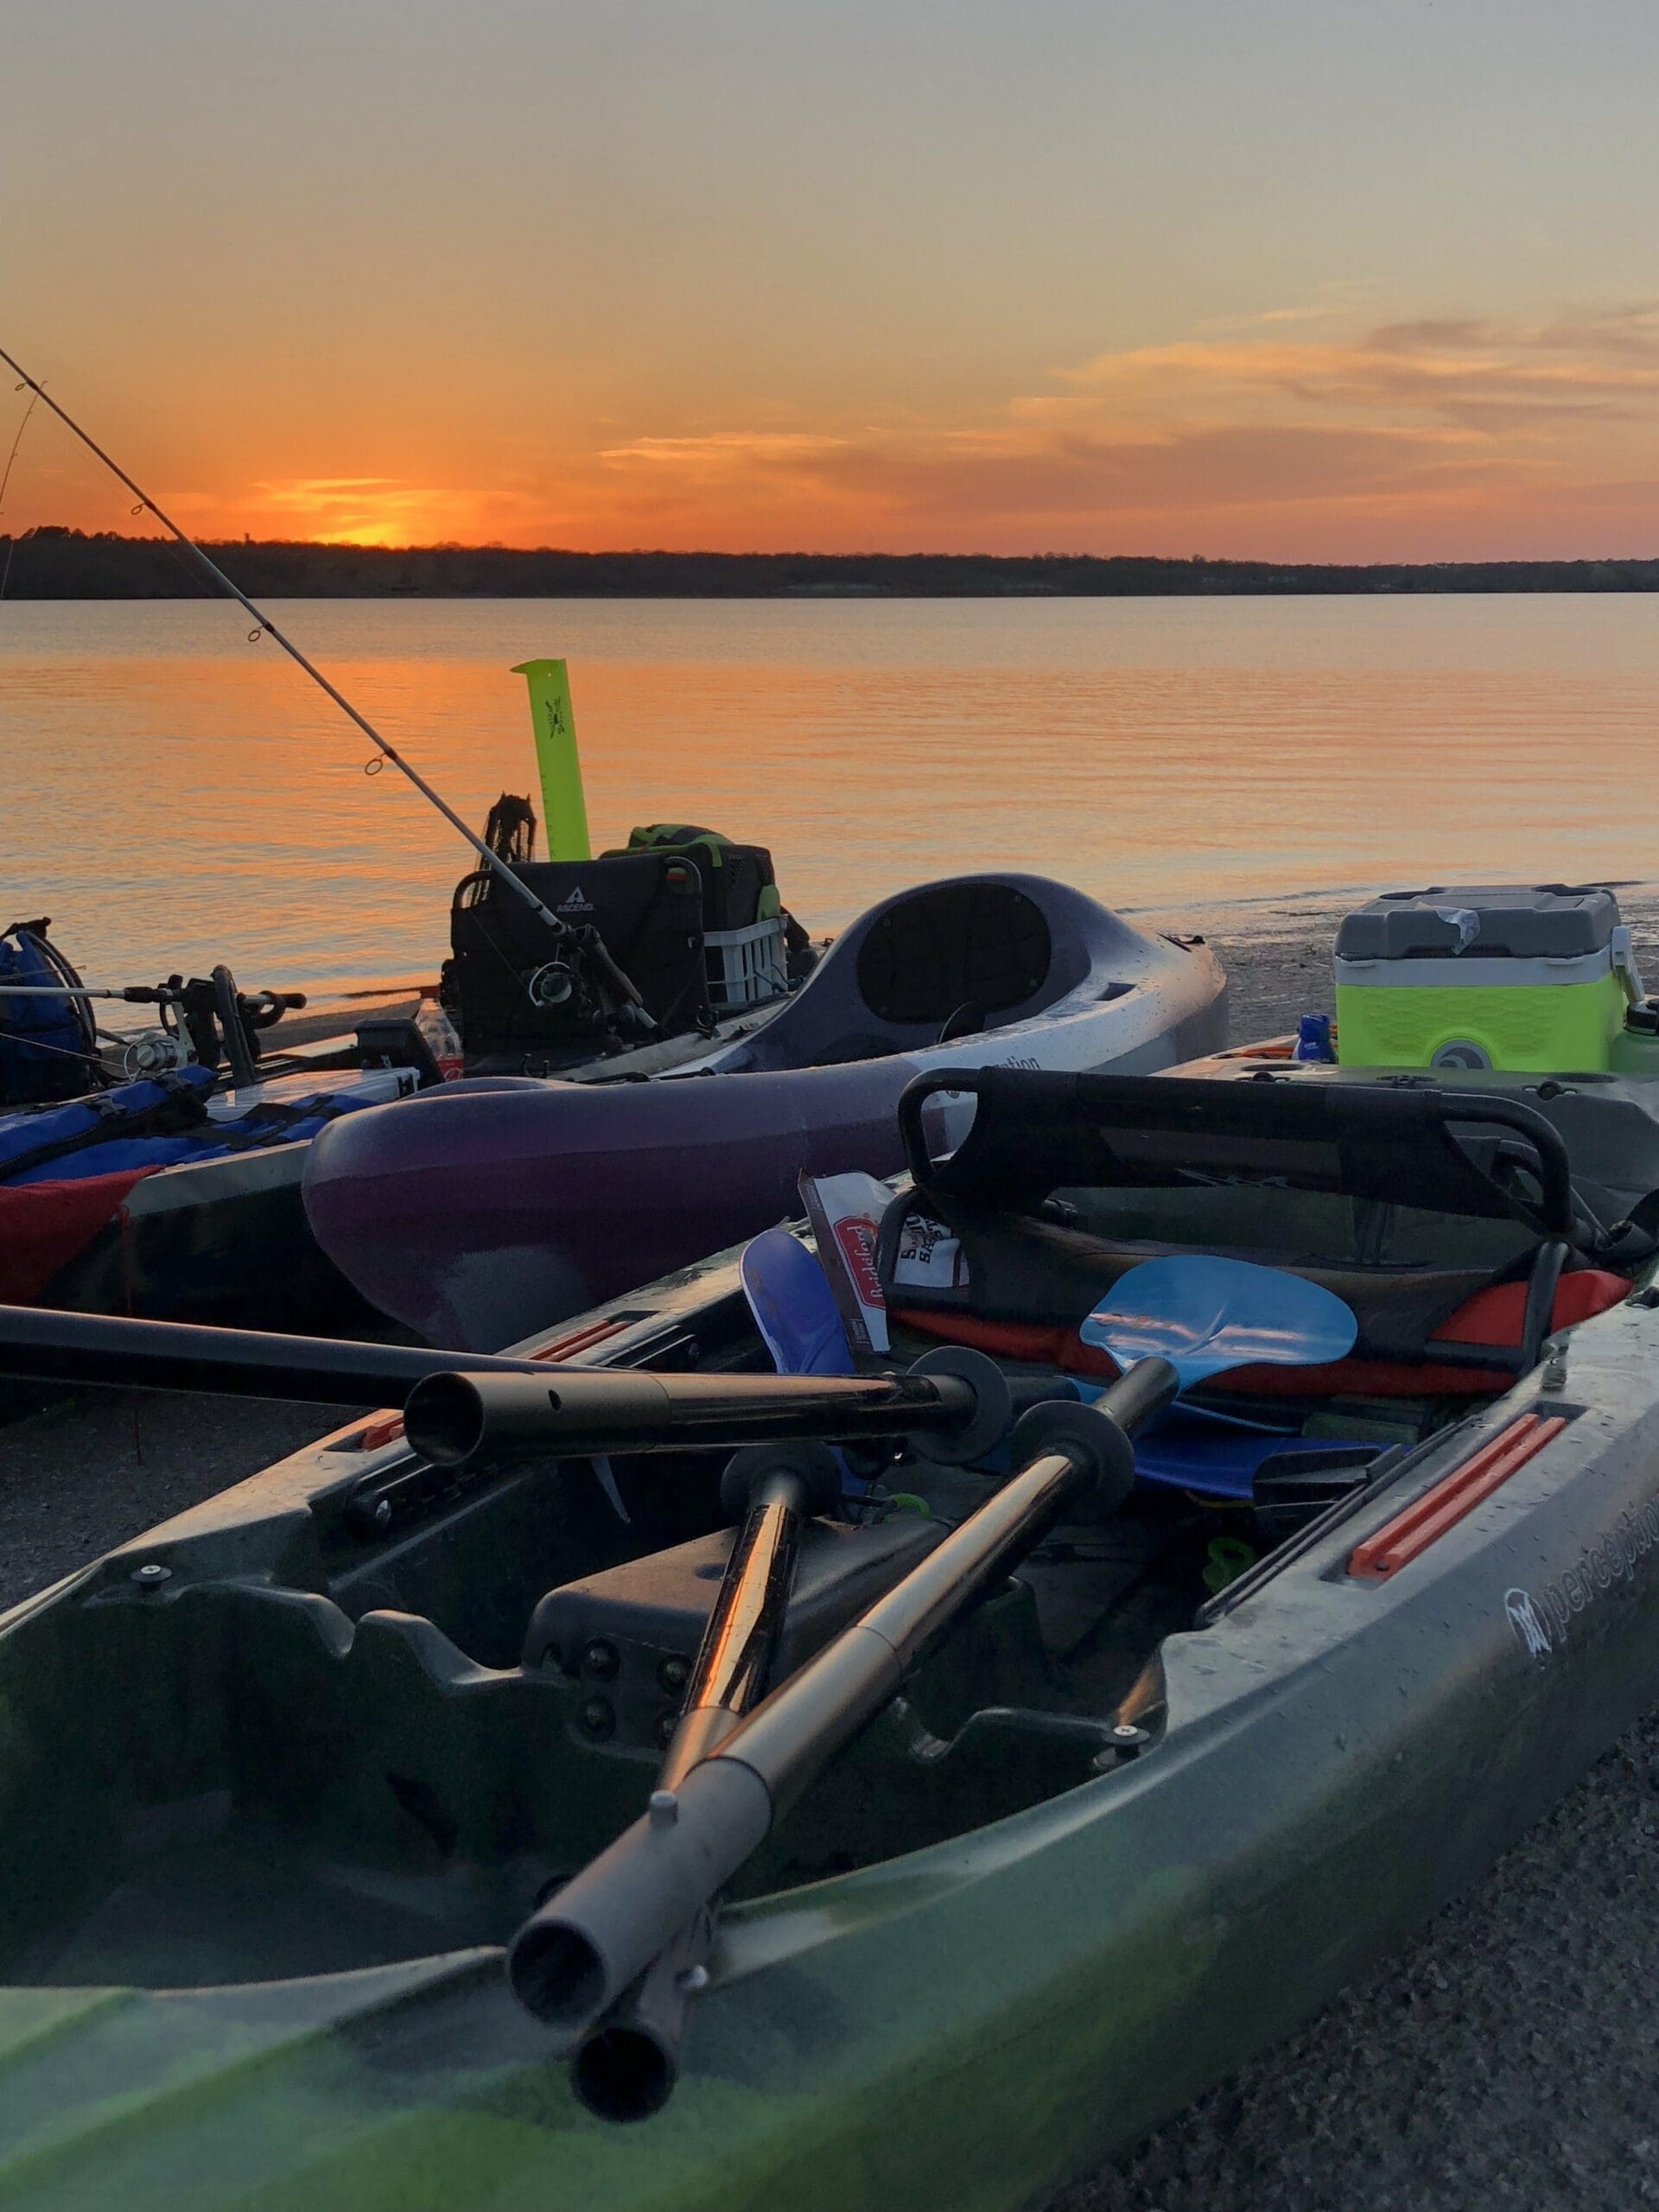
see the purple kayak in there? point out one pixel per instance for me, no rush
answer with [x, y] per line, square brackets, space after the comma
[486, 1209]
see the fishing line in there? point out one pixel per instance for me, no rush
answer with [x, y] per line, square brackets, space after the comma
[492, 860]
[5, 479]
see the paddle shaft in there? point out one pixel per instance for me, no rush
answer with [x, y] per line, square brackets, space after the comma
[579, 1953]
[572, 1415]
[630, 2069]
[732, 1668]
[567, 1413]
[39, 1345]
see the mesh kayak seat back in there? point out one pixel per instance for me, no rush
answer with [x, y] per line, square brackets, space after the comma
[1406, 1203]
[648, 908]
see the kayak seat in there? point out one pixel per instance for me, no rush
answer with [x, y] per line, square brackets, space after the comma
[941, 963]
[1491, 1316]
[1012, 1267]
[953, 947]
[1438, 1219]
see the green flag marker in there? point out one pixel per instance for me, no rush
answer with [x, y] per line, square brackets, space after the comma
[564, 808]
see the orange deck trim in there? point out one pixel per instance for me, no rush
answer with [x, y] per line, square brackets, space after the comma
[580, 1340]
[1457, 1493]
[387, 1428]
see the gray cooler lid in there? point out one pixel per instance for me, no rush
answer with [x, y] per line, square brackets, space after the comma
[1517, 921]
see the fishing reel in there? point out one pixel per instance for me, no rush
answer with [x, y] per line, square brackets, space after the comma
[551, 985]
[588, 980]
[155, 1053]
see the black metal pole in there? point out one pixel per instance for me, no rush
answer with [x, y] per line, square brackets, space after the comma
[451, 1416]
[39, 1345]
[775, 1488]
[578, 1957]
[629, 2069]
[954, 1401]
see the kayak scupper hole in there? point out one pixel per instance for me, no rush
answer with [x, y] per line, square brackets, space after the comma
[623, 2073]
[556, 1973]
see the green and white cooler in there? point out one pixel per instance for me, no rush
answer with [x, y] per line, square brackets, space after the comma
[1527, 976]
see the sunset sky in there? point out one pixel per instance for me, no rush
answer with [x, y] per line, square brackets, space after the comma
[1230, 277]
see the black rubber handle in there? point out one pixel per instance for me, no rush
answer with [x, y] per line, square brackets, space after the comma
[1554, 1165]
[914, 1096]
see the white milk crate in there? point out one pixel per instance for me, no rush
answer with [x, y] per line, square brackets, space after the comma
[746, 966]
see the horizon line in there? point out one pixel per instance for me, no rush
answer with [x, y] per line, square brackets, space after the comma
[349, 547]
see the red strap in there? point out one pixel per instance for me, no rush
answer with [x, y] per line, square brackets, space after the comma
[1493, 1315]
[45, 1225]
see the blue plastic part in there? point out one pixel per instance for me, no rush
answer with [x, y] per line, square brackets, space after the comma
[1313, 1038]
[122, 1113]
[793, 1306]
[43, 1042]
[1187, 1453]
[1205, 1315]
[795, 1310]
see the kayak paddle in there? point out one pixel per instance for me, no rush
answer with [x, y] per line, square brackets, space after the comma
[793, 1306]
[1206, 1315]
[615, 1956]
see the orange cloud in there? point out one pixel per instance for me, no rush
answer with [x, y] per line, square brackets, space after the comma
[1296, 432]
[1374, 442]
[362, 509]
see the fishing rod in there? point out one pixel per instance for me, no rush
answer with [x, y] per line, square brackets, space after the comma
[562, 931]
[134, 994]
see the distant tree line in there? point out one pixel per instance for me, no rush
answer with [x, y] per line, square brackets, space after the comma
[51, 563]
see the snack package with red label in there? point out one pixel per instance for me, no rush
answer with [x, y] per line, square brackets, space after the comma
[845, 1211]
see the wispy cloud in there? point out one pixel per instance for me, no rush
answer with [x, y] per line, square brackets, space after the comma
[364, 510]
[720, 447]
[1255, 437]
[1302, 430]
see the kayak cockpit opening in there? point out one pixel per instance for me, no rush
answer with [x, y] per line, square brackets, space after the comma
[946, 962]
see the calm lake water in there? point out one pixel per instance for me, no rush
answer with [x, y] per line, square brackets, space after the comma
[176, 796]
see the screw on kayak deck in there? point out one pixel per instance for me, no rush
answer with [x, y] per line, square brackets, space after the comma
[151, 1575]
[1126, 1742]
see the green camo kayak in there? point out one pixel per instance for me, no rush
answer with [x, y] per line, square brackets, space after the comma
[280, 1780]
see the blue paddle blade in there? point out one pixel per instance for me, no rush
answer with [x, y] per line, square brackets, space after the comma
[1206, 1315]
[1185, 1452]
[793, 1306]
